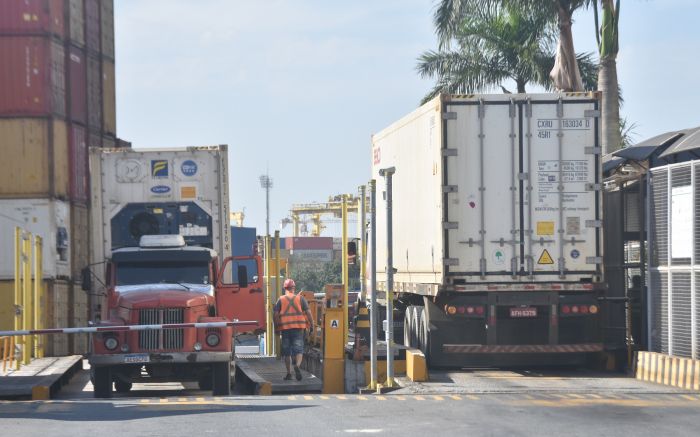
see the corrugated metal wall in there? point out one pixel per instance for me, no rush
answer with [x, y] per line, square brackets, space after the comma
[674, 259]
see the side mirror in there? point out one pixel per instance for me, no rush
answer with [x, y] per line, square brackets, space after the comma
[242, 276]
[86, 279]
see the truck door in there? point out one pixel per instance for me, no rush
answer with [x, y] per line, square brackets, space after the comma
[239, 291]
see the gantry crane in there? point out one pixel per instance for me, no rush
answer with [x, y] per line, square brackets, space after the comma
[301, 214]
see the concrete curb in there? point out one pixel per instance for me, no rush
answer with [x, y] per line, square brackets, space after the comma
[668, 370]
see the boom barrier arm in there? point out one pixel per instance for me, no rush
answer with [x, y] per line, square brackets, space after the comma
[92, 329]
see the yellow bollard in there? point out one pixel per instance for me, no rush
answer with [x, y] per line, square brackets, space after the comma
[28, 309]
[19, 297]
[38, 295]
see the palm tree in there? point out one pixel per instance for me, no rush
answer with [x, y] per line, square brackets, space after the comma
[493, 45]
[565, 72]
[607, 75]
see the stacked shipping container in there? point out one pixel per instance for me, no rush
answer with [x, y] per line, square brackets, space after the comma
[57, 98]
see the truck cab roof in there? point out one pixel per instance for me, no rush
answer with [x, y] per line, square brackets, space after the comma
[142, 254]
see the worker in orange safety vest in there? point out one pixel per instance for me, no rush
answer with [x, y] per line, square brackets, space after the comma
[292, 316]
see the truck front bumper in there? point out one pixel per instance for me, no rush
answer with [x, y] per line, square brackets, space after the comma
[160, 358]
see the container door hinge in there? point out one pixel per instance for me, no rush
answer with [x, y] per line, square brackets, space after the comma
[593, 150]
[593, 187]
[450, 225]
[591, 113]
[450, 261]
[449, 189]
[449, 116]
[594, 260]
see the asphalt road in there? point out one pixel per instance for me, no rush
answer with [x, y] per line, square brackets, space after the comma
[480, 402]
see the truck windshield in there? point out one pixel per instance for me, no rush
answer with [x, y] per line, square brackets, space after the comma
[163, 273]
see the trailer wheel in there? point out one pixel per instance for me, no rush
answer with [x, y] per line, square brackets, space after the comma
[102, 386]
[222, 379]
[417, 315]
[423, 334]
[408, 329]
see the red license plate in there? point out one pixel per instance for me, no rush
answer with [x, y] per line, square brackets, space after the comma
[523, 312]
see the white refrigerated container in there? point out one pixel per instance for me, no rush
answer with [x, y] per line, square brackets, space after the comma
[49, 219]
[492, 189]
[160, 178]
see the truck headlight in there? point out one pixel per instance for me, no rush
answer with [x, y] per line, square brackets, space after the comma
[213, 340]
[111, 343]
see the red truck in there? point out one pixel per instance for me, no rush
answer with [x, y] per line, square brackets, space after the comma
[164, 281]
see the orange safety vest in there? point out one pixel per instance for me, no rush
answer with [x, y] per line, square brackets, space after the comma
[291, 315]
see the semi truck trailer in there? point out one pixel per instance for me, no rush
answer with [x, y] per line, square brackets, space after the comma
[497, 239]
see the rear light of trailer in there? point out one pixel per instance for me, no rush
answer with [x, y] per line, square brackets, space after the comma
[465, 310]
[578, 309]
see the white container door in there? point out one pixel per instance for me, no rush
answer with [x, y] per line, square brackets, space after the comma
[521, 188]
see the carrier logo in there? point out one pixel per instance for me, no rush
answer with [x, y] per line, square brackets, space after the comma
[159, 168]
[189, 168]
[160, 189]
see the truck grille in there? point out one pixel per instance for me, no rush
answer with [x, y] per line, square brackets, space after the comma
[161, 339]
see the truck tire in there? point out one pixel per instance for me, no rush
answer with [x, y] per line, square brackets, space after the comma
[417, 317]
[103, 382]
[408, 329]
[121, 386]
[222, 379]
[423, 334]
[206, 381]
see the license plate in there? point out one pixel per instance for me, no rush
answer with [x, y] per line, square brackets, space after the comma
[523, 312]
[136, 358]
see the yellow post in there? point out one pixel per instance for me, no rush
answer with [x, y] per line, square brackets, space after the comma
[18, 279]
[28, 309]
[269, 331]
[38, 295]
[333, 352]
[344, 263]
[278, 287]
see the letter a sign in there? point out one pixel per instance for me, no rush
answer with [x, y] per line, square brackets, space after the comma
[334, 324]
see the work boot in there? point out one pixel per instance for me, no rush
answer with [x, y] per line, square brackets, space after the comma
[297, 372]
[288, 377]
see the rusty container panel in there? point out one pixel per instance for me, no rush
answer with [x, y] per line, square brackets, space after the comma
[38, 150]
[94, 94]
[79, 239]
[109, 106]
[78, 164]
[78, 314]
[32, 77]
[77, 84]
[94, 139]
[76, 22]
[92, 26]
[32, 17]
[107, 27]
[57, 296]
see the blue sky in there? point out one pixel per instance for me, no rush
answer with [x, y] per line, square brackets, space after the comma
[297, 87]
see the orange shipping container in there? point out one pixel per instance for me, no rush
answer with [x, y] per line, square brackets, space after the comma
[37, 149]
